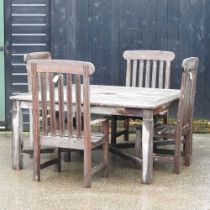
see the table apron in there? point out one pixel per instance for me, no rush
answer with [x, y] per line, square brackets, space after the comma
[105, 110]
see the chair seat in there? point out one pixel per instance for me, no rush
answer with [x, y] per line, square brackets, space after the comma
[71, 143]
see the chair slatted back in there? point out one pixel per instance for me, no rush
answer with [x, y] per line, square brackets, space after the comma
[34, 56]
[148, 68]
[61, 86]
[187, 98]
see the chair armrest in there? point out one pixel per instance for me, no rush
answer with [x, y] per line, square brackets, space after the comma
[99, 121]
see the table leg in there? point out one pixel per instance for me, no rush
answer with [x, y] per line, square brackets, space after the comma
[147, 147]
[17, 141]
[138, 142]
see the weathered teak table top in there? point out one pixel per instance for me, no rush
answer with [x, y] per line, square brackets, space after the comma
[124, 97]
[109, 100]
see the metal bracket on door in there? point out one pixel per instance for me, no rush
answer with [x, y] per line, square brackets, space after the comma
[2, 48]
[5, 48]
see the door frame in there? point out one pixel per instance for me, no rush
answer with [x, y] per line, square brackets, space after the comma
[7, 41]
[2, 62]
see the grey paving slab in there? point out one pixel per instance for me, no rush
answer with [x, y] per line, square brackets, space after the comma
[122, 190]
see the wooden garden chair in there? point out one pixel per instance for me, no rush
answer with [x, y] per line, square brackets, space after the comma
[181, 133]
[71, 100]
[27, 57]
[145, 68]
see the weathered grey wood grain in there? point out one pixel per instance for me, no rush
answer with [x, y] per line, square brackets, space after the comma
[61, 105]
[134, 73]
[34, 56]
[161, 74]
[69, 105]
[17, 157]
[141, 72]
[78, 106]
[27, 57]
[128, 74]
[147, 147]
[52, 104]
[79, 139]
[153, 72]
[181, 133]
[36, 123]
[65, 66]
[120, 96]
[147, 73]
[150, 58]
[138, 142]
[118, 100]
[44, 103]
[149, 55]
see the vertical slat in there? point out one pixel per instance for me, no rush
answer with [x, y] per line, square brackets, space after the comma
[78, 106]
[134, 76]
[141, 73]
[87, 129]
[128, 73]
[147, 77]
[134, 71]
[35, 105]
[52, 104]
[44, 102]
[167, 74]
[61, 105]
[154, 74]
[69, 105]
[160, 81]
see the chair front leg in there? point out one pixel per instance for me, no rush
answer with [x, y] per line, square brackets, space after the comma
[36, 159]
[87, 167]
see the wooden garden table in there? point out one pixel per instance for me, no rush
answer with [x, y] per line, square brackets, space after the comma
[108, 100]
